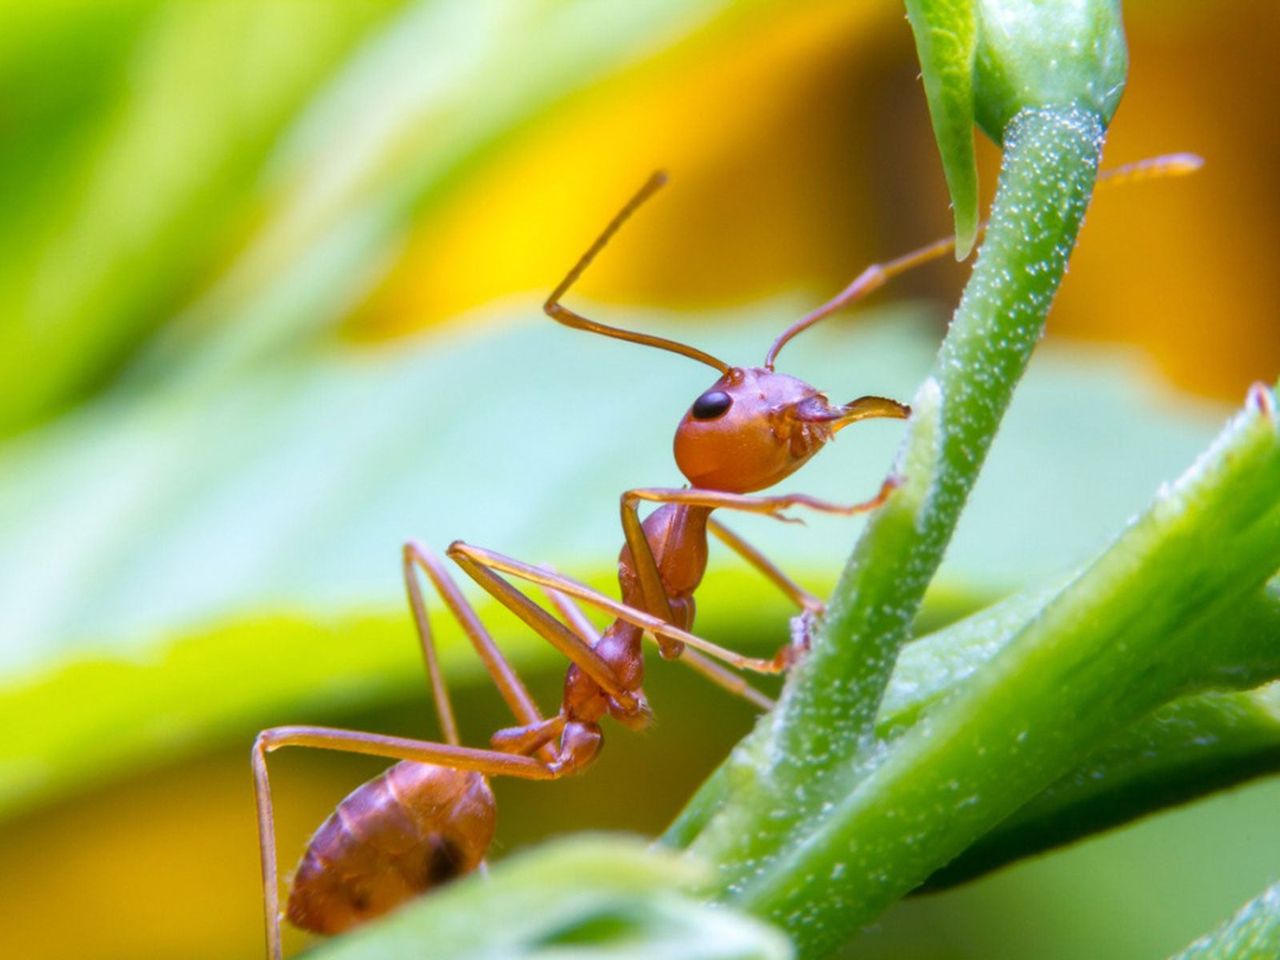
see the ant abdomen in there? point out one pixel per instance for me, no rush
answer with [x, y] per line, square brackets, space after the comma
[412, 828]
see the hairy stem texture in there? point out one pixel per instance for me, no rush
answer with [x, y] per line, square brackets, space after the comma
[766, 807]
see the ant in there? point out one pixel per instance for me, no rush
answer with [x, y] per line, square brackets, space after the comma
[430, 817]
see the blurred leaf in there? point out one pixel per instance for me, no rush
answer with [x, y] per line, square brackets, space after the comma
[246, 541]
[419, 107]
[188, 100]
[1252, 934]
[587, 898]
[338, 136]
[295, 486]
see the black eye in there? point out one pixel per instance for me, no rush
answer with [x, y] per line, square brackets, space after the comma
[711, 404]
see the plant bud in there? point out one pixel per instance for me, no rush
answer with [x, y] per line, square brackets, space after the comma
[1047, 53]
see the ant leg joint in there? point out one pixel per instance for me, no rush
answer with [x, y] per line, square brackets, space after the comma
[266, 741]
[458, 547]
[579, 745]
[273, 738]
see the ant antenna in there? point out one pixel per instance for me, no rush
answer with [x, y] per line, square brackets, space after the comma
[561, 314]
[877, 275]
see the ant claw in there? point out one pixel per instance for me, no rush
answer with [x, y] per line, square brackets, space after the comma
[1262, 399]
[802, 628]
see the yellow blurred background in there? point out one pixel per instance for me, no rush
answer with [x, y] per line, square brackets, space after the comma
[800, 151]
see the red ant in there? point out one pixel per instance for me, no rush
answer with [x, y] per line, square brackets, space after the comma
[430, 817]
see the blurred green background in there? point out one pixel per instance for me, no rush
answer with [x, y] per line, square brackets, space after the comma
[269, 287]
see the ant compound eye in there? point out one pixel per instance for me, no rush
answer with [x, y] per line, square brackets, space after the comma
[711, 405]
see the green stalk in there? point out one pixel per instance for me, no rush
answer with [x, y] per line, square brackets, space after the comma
[805, 754]
[1195, 745]
[932, 668]
[1107, 650]
[1252, 934]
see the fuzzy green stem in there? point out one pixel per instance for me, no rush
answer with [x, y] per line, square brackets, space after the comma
[1252, 934]
[805, 754]
[1108, 649]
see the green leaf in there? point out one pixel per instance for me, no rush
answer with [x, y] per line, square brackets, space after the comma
[1183, 751]
[946, 33]
[1252, 934]
[991, 59]
[1247, 642]
[1064, 54]
[1186, 749]
[140, 195]
[586, 898]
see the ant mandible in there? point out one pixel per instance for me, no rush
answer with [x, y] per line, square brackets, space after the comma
[430, 817]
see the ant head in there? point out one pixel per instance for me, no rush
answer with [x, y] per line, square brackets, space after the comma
[753, 427]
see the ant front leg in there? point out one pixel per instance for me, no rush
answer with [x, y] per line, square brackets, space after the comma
[774, 506]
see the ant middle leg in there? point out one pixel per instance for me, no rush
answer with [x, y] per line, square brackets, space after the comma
[481, 564]
[579, 742]
[797, 594]
[414, 557]
[475, 564]
[721, 676]
[811, 608]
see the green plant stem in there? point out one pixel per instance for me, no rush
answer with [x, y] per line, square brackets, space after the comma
[1192, 746]
[933, 667]
[1252, 934]
[804, 755]
[1184, 750]
[1105, 651]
